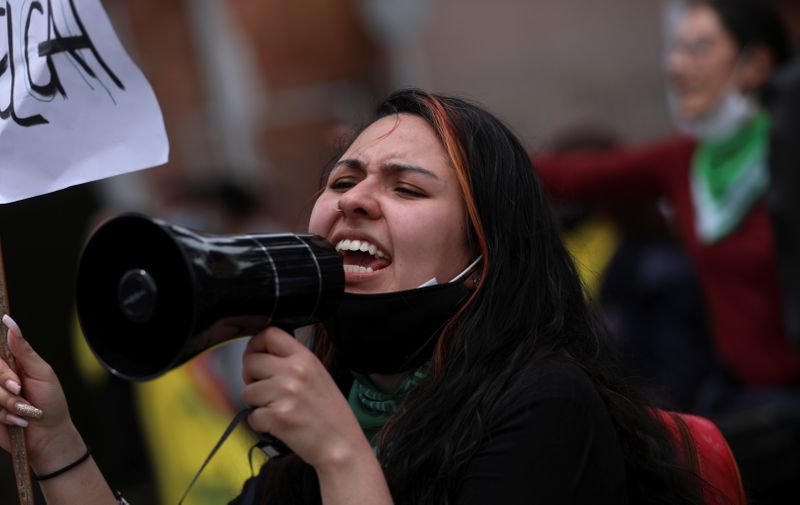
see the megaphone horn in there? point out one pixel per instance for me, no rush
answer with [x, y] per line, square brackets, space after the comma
[151, 295]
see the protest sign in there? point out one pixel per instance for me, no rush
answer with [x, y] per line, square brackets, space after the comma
[74, 108]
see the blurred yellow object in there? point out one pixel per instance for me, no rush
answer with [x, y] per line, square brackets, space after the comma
[592, 244]
[90, 370]
[182, 414]
[182, 420]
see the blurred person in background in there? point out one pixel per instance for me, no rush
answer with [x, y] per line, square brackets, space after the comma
[720, 58]
[641, 281]
[722, 54]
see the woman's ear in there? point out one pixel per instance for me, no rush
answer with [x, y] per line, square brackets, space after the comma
[755, 68]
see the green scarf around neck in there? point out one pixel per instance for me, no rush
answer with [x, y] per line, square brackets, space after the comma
[373, 407]
[727, 178]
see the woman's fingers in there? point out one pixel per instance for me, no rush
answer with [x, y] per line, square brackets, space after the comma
[258, 366]
[274, 340]
[14, 407]
[277, 418]
[15, 404]
[268, 398]
[45, 432]
[27, 359]
[12, 325]
[260, 420]
[259, 394]
[270, 352]
[275, 369]
[294, 397]
[9, 380]
[40, 397]
[12, 384]
[11, 419]
[280, 384]
[25, 409]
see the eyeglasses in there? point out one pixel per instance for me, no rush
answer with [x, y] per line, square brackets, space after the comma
[693, 48]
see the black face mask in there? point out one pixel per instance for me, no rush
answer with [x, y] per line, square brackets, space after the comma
[388, 333]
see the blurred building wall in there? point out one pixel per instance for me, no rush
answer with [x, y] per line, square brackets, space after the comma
[314, 65]
[272, 78]
[542, 65]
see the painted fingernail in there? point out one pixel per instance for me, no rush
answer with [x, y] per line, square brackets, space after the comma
[27, 410]
[13, 386]
[11, 418]
[10, 323]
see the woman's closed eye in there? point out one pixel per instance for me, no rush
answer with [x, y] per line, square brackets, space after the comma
[342, 184]
[409, 191]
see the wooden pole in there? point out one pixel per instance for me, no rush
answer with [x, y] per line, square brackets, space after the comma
[16, 435]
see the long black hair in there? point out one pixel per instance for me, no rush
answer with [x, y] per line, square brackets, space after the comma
[529, 306]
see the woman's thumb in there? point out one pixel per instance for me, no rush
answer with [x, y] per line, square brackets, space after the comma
[27, 359]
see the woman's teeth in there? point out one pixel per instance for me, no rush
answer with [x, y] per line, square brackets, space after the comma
[358, 269]
[359, 245]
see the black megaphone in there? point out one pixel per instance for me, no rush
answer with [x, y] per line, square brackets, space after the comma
[152, 295]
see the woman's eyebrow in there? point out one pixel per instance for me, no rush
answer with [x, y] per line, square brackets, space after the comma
[400, 168]
[390, 168]
[349, 163]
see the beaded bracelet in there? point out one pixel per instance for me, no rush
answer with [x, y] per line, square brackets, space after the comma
[65, 469]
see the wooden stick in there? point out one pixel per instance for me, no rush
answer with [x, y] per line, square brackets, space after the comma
[19, 454]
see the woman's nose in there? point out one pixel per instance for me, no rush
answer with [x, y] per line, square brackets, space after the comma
[359, 202]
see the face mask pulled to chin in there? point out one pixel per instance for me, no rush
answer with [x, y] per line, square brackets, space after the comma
[733, 111]
[389, 333]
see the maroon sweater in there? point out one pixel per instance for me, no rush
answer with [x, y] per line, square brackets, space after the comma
[738, 274]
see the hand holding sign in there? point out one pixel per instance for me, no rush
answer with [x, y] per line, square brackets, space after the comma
[73, 109]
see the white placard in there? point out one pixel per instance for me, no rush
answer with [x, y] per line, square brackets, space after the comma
[74, 108]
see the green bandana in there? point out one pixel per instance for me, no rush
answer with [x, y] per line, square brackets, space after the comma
[728, 177]
[373, 407]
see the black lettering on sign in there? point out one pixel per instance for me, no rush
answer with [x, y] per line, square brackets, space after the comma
[7, 65]
[56, 44]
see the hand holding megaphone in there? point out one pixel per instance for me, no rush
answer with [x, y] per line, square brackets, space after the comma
[151, 295]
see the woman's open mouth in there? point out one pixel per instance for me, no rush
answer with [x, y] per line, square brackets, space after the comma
[362, 256]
